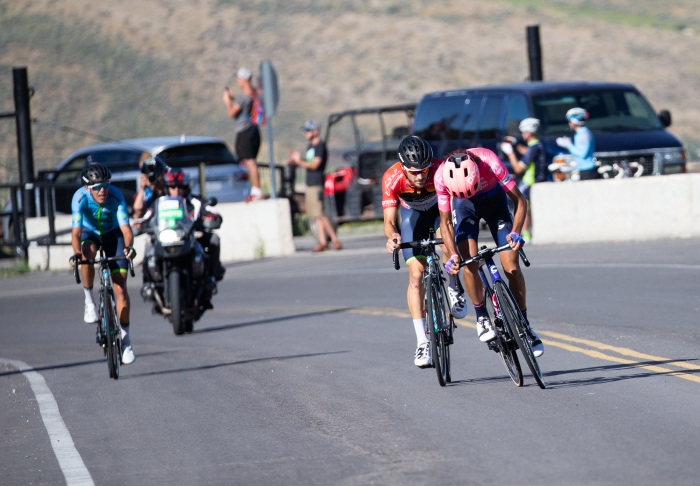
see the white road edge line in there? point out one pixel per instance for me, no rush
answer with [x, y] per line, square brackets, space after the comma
[69, 459]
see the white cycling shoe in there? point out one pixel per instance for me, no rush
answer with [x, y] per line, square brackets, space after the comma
[128, 355]
[422, 357]
[458, 305]
[90, 315]
[536, 344]
[484, 329]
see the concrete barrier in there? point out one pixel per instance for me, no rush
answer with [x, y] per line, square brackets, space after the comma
[255, 230]
[616, 210]
[249, 231]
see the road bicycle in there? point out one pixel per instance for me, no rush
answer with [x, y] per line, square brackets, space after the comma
[512, 330]
[109, 330]
[439, 322]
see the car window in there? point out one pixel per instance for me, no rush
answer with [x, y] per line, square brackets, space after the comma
[439, 118]
[516, 111]
[489, 126]
[192, 155]
[472, 107]
[610, 110]
[71, 171]
[117, 158]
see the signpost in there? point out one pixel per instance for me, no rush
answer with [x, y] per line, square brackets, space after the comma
[270, 100]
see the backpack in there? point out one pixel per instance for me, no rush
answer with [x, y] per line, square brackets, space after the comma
[257, 112]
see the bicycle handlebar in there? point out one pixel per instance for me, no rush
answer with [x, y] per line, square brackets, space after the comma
[427, 243]
[488, 252]
[76, 263]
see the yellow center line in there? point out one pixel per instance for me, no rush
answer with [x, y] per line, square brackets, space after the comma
[615, 359]
[623, 351]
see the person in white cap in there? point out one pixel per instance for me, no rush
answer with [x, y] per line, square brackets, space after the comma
[247, 133]
[532, 167]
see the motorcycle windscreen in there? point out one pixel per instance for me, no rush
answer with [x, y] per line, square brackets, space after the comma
[173, 221]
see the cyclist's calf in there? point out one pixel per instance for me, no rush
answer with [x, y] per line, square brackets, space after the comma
[122, 296]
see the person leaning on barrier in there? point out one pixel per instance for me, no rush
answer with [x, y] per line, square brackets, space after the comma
[583, 146]
[315, 165]
[531, 168]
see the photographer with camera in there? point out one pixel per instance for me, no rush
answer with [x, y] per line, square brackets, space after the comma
[151, 185]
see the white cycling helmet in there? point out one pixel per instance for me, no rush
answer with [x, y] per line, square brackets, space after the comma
[531, 125]
[577, 115]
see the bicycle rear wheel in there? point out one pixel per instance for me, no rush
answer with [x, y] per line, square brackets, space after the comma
[434, 321]
[505, 350]
[515, 321]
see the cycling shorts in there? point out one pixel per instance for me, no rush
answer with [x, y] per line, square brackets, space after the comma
[415, 225]
[493, 209]
[113, 244]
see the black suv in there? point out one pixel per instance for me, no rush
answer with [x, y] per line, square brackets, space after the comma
[624, 125]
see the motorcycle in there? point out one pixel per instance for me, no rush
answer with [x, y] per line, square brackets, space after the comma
[176, 265]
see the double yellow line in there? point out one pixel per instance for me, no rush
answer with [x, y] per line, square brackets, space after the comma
[690, 371]
[686, 375]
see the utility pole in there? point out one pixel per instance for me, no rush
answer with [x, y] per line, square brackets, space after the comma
[24, 139]
[534, 52]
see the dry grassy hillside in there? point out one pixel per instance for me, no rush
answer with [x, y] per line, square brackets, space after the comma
[132, 68]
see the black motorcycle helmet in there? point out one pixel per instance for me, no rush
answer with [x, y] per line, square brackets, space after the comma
[415, 153]
[94, 173]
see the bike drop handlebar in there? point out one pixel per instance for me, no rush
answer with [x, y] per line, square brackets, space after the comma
[487, 252]
[76, 263]
[413, 244]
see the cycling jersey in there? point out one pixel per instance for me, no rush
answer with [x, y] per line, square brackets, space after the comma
[492, 176]
[98, 218]
[397, 188]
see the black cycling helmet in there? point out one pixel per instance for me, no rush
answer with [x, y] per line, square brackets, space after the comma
[415, 153]
[94, 173]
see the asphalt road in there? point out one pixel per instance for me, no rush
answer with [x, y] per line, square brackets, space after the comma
[303, 374]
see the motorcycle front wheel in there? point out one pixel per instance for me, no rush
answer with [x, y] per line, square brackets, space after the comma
[176, 303]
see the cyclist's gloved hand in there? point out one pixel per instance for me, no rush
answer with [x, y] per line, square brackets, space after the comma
[453, 261]
[506, 148]
[130, 252]
[515, 238]
[563, 142]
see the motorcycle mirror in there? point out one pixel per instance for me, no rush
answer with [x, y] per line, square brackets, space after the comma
[212, 201]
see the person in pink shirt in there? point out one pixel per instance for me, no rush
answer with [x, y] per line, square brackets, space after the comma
[474, 184]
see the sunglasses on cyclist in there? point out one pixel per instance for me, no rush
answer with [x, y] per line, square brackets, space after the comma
[177, 187]
[417, 171]
[98, 187]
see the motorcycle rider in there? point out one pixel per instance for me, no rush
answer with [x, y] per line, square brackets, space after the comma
[177, 183]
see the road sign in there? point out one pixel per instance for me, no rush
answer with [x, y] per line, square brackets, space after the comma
[271, 94]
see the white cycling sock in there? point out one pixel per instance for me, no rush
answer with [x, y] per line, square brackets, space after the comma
[419, 326]
[88, 295]
[126, 340]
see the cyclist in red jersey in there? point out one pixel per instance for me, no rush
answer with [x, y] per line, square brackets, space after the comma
[409, 186]
[476, 185]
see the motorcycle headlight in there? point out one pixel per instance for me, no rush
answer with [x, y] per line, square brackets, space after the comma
[168, 236]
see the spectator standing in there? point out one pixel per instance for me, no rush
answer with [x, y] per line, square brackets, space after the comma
[315, 165]
[247, 134]
[531, 168]
[583, 146]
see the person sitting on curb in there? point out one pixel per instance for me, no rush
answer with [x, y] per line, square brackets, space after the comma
[315, 165]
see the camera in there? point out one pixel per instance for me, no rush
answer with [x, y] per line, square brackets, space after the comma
[153, 168]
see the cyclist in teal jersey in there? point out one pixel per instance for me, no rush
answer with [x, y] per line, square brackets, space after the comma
[100, 219]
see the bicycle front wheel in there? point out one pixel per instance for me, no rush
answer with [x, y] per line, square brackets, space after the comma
[109, 315]
[506, 345]
[514, 318]
[434, 321]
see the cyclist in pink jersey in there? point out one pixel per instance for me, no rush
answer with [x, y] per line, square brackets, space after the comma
[474, 184]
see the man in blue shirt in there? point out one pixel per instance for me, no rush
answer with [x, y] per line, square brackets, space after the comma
[583, 146]
[99, 218]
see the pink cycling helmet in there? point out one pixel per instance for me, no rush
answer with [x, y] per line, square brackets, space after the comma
[461, 175]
